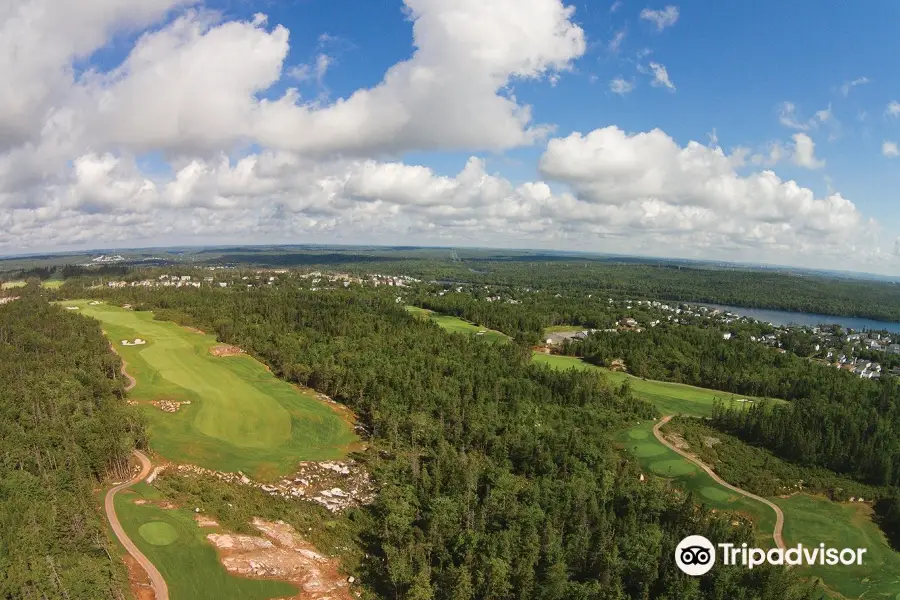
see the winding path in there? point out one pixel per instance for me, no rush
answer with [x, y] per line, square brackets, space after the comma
[156, 578]
[160, 589]
[779, 515]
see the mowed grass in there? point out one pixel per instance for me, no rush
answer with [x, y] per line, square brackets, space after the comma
[52, 284]
[811, 520]
[240, 416]
[457, 325]
[8, 285]
[655, 458]
[669, 398]
[177, 547]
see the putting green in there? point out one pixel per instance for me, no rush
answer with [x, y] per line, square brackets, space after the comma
[672, 467]
[240, 416]
[158, 533]
[647, 450]
[719, 494]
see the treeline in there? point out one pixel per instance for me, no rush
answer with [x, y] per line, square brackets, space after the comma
[752, 289]
[498, 478]
[63, 427]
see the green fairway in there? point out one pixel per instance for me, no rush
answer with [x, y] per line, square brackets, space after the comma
[457, 325]
[657, 459]
[669, 398]
[52, 284]
[240, 416]
[178, 548]
[813, 520]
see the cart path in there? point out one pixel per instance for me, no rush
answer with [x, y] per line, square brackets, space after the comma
[156, 578]
[779, 514]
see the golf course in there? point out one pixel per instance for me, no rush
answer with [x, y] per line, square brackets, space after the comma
[231, 413]
[809, 520]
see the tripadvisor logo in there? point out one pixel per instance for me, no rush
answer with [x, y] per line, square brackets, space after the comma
[696, 555]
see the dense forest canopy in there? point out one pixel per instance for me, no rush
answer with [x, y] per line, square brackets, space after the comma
[63, 427]
[498, 479]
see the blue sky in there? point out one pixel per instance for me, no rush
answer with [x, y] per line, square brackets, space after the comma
[172, 121]
[733, 65]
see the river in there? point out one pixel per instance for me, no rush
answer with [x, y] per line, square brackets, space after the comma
[781, 317]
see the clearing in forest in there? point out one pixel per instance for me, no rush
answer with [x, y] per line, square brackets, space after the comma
[177, 546]
[231, 414]
[457, 325]
[669, 398]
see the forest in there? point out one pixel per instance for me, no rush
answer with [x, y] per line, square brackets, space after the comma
[64, 427]
[498, 478]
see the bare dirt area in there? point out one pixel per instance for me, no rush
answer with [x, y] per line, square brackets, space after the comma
[138, 581]
[677, 441]
[194, 330]
[225, 350]
[204, 521]
[284, 555]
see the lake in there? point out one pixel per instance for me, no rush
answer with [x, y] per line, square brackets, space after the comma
[782, 317]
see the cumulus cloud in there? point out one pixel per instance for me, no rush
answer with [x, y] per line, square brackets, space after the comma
[805, 152]
[890, 149]
[74, 168]
[893, 109]
[663, 18]
[620, 86]
[197, 81]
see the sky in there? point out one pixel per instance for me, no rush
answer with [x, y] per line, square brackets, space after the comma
[759, 132]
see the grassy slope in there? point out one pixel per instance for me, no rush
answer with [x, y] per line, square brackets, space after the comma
[457, 325]
[811, 520]
[669, 398]
[189, 564]
[241, 417]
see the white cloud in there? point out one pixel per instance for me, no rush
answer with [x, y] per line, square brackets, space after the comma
[890, 149]
[197, 81]
[805, 152]
[40, 39]
[661, 18]
[893, 109]
[848, 85]
[620, 86]
[616, 42]
[660, 75]
[73, 168]
[787, 112]
[615, 6]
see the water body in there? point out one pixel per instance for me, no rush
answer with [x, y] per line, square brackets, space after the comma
[781, 317]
